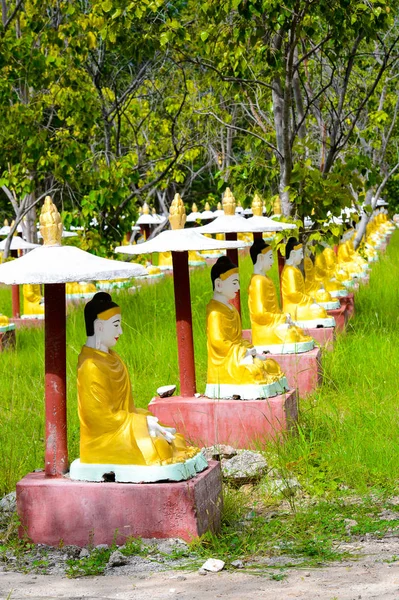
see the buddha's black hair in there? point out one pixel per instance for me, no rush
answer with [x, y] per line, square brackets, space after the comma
[98, 304]
[290, 246]
[222, 265]
[256, 248]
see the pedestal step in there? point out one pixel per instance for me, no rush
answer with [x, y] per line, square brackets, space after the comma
[303, 371]
[340, 317]
[54, 510]
[324, 336]
[240, 423]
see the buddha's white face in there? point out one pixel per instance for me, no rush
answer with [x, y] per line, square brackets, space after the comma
[296, 256]
[267, 260]
[228, 287]
[107, 331]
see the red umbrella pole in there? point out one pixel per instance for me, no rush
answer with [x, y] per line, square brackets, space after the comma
[56, 455]
[257, 235]
[16, 307]
[232, 253]
[280, 264]
[184, 323]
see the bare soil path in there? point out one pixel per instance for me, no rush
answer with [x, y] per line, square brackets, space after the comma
[374, 575]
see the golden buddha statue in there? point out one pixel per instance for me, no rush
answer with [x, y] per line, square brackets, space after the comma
[165, 260]
[327, 277]
[33, 299]
[334, 270]
[4, 321]
[80, 288]
[349, 258]
[315, 288]
[303, 309]
[272, 330]
[114, 434]
[235, 368]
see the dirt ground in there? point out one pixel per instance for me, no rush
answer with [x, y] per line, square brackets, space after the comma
[375, 574]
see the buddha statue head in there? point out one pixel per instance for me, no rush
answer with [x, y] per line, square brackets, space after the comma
[225, 279]
[293, 252]
[103, 322]
[262, 256]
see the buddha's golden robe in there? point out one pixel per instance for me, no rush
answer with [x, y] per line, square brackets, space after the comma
[32, 299]
[227, 348]
[267, 321]
[326, 275]
[333, 268]
[349, 259]
[295, 299]
[112, 430]
[83, 287]
[313, 287]
[165, 259]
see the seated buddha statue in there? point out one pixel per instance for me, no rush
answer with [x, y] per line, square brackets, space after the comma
[303, 309]
[114, 434]
[329, 281]
[351, 260]
[80, 288]
[165, 260]
[33, 299]
[272, 330]
[315, 288]
[194, 260]
[334, 270]
[235, 367]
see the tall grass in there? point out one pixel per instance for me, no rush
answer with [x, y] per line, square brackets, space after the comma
[348, 430]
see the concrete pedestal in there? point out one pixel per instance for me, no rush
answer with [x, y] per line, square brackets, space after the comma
[349, 302]
[7, 340]
[54, 510]
[240, 423]
[324, 336]
[29, 323]
[303, 371]
[340, 317]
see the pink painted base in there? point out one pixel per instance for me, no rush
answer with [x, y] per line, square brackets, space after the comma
[324, 336]
[29, 323]
[304, 371]
[340, 317]
[349, 302]
[54, 510]
[7, 340]
[240, 423]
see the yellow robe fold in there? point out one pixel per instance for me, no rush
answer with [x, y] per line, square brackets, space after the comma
[349, 259]
[267, 321]
[227, 348]
[325, 275]
[112, 430]
[313, 287]
[32, 299]
[295, 300]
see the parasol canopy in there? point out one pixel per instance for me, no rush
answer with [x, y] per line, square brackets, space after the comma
[18, 243]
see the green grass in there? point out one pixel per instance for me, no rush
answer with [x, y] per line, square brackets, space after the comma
[347, 437]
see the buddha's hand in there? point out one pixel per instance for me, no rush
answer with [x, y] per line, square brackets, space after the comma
[288, 320]
[250, 352]
[156, 430]
[248, 357]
